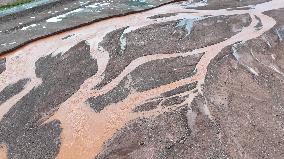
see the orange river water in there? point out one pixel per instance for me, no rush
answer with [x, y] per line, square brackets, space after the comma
[85, 131]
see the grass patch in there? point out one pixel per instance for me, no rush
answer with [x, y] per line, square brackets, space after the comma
[11, 5]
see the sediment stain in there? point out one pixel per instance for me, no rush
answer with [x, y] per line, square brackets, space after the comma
[3, 152]
[86, 143]
[61, 76]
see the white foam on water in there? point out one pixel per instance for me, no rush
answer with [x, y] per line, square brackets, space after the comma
[98, 5]
[60, 17]
[30, 26]
[191, 4]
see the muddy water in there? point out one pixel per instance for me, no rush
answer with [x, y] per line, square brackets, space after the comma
[84, 130]
[3, 152]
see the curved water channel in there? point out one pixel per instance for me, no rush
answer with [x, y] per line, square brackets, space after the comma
[84, 130]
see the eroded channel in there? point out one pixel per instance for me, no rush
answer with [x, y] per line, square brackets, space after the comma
[64, 73]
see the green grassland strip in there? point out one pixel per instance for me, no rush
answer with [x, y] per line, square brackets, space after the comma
[16, 3]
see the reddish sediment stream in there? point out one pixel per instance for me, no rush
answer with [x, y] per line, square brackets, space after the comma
[86, 131]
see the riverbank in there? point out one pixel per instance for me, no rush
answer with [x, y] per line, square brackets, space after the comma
[20, 28]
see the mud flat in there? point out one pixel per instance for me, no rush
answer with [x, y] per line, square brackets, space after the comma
[176, 81]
